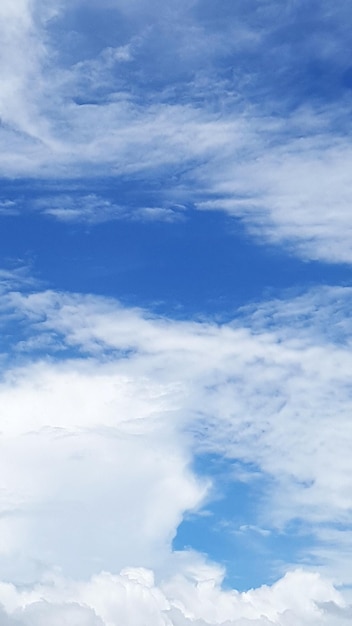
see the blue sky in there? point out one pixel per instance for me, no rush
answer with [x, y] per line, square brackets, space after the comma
[175, 284]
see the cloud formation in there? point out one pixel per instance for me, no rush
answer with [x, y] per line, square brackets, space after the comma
[89, 387]
[133, 597]
[178, 106]
[270, 390]
[92, 209]
[112, 415]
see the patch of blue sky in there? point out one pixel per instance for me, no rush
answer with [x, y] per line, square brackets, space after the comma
[302, 55]
[202, 264]
[275, 55]
[73, 36]
[230, 528]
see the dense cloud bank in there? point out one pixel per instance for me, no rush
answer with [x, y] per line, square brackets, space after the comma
[133, 598]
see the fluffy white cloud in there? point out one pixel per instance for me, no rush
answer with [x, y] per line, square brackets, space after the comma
[133, 597]
[270, 389]
[87, 467]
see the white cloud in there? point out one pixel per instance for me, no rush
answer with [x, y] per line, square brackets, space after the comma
[97, 444]
[156, 214]
[286, 178]
[23, 52]
[296, 193]
[102, 466]
[92, 209]
[133, 597]
[271, 389]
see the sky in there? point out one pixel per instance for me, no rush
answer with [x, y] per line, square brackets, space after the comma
[175, 279]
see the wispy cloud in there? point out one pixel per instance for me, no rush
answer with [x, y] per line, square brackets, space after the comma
[296, 193]
[92, 209]
[282, 166]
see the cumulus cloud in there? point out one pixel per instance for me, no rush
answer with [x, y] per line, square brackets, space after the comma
[134, 597]
[269, 390]
[94, 505]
